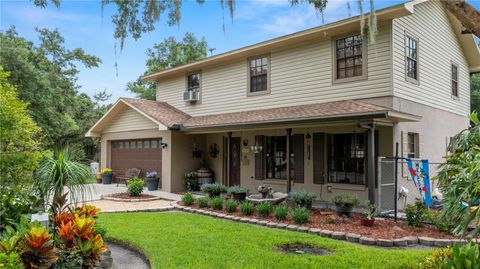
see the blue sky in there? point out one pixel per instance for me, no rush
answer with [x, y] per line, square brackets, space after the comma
[82, 25]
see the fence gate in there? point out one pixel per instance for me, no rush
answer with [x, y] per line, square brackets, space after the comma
[406, 193]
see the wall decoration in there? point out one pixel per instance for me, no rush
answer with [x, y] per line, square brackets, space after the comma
[213, 150]
[245, 142]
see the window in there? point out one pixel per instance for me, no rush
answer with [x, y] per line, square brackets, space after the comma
[193, 82]
[276, 157]
[411, 64]
[136, 144]
[349, 57]
[347, 159]
[454, 80]
[258, 75]
[412, 145]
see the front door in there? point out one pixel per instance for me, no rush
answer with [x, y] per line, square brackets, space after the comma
[235, 161]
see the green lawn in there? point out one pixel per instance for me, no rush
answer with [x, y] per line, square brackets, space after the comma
[182, 240]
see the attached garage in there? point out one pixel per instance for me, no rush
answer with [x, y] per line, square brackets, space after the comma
[144, 154]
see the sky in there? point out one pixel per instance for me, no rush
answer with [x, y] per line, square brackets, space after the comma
[83, 25]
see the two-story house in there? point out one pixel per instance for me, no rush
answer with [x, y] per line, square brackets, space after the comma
[306, 111]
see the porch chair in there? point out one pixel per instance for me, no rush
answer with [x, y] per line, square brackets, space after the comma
[129, 173]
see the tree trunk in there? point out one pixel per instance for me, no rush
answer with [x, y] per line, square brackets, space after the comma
[465, 13]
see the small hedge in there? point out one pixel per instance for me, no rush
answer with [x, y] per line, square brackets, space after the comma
[247, 208]
[264, 209]
[187, 199]
[300, 215]
[280, 212]
[231, 205]
[216, 203]
[135, 186]
[202, 202]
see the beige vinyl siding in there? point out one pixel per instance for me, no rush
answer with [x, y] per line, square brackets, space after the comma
[438, 47]
[130, 120]
[300, 75]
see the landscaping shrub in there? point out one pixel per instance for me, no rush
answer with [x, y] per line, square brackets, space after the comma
[238, 193]
[11, 261]
[214, 189]
[187, 199]
[14, 203]
[436, 259]
[99, 228]
[280, 212]
[436, 217]
[216, 203]
[345, 201]
[416, 214]
[135, 186]
[231, 205]
[466, 257]
[264, 209]
[202, 202]
[300, 215]
[69, 260]
[303, 199]
[247, 208]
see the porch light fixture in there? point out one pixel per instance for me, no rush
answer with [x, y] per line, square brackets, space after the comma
[257, 148]
[163, 145]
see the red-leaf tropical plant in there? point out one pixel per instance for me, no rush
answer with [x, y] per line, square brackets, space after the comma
[91, 250]
[39, 251]
[87, 211]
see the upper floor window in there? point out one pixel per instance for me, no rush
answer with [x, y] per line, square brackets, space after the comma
[349, 58]
[258, 75]
[411, 64]
[193, 82]
[454, 80]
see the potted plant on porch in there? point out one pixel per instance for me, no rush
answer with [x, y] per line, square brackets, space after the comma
[238, 193]
[344, 204]
[369, 214]
[107, 175]
[152, 180]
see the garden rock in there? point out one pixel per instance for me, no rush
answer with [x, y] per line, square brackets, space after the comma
[326, 233]
[338, 235]
[292, 227]
[354, 238]
[281, 225]
[426, 241]
[244, 220]
[271, 224]
[384, 243]
[367, 241]
[303, 229]
[400, 242]
[411, 240]
[442, 242]
[314, 231]
[262, 222]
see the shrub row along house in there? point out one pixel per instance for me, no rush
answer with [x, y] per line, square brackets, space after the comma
[305, 111]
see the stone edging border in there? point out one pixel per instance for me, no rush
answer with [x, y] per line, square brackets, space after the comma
[129, 200]
[350, 237]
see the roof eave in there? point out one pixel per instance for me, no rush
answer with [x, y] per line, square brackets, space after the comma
[266, 46]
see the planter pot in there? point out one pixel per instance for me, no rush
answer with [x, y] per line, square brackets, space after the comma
[307, 205]
[367, 222]
[239, 196]
[152, 183]
[98, 177]
[344, 211]
[107, 178]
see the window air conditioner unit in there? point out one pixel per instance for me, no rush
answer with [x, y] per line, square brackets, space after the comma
[191, 96]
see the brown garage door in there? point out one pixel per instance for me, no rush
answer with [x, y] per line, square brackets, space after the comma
[145, 154]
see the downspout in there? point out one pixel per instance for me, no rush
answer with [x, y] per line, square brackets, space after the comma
[370, 160]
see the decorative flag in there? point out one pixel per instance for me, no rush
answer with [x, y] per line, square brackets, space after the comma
[418, 171]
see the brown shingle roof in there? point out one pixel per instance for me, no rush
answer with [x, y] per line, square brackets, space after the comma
[291, 113]
[159, 111]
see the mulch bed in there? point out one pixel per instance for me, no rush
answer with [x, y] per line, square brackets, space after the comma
[125, 195]
[326, 219]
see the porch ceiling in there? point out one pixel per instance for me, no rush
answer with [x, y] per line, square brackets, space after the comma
[303, 114]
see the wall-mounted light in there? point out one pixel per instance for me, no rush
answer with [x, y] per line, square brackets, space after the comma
[257, 148]
[308, 137]
[163, 145]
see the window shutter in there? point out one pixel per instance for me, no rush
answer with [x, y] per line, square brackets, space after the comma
[319, 158]
[404, 144]
[420, 146]
[259, 160]
[298, 158]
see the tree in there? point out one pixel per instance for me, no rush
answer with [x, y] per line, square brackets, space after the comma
[19, 146]
[138, 17]
[475, 93]
[165, 55]
[45, 76]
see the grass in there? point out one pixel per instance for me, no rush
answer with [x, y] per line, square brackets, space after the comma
[182, 240]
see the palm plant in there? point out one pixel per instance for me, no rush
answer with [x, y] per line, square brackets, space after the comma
[459, 181]
[60, 170]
